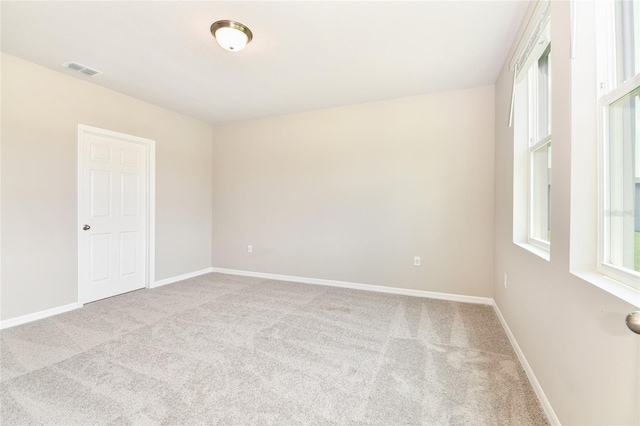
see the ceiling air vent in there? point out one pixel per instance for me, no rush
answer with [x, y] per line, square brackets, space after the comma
[89, 72]
[81, 68]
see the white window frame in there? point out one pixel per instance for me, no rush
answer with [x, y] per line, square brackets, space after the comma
[609, 91]
[524, 113]
[535, 142]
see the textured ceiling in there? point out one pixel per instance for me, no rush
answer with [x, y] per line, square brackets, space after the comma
[304, 56]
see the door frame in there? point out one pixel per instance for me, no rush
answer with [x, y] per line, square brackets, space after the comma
[150, 178]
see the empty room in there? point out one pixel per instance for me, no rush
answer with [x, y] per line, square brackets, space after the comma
[320, 212]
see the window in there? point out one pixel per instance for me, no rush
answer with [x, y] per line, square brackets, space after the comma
[532, 134]
[539, 82]
[619, 131]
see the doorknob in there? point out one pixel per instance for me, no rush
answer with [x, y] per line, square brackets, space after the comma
[86, 227]
[633, 322]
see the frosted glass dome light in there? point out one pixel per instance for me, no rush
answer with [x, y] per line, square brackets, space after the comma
[231, 35]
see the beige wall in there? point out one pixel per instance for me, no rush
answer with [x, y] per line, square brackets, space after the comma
[354, 193]
[571, 332]
[40, 114]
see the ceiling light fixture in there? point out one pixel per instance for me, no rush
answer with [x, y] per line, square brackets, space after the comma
[231, 35]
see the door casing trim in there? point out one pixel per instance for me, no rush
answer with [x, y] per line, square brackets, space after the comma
[150, 242]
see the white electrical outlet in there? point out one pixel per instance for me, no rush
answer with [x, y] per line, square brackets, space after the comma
[249, 249]
[505, 280]
[416, 261]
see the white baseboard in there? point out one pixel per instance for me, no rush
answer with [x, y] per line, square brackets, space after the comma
[182, 277]
[357, 286]
[544, 402]
[37, 316]
[12, 322]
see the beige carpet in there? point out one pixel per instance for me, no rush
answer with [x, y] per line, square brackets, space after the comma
[229, 350]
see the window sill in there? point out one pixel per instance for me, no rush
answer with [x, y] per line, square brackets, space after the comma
[611, 286]
[535, 250]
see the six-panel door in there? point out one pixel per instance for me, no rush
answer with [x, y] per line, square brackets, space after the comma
[113, 205]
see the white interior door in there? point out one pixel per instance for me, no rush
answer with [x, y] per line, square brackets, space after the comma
[113, 212]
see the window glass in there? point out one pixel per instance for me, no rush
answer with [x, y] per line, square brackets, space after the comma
[544, 95]
[627, 39]
[541, 193]
[622, 217]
